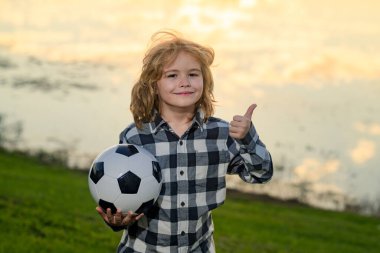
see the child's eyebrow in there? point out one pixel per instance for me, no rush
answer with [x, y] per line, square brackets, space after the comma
[195, 69]
[176, 70]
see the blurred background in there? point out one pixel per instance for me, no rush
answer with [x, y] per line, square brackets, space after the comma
[312, 66]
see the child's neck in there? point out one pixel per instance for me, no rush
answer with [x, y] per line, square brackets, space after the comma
[179, 122]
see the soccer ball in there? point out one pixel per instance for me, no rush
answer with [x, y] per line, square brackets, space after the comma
[127, 177]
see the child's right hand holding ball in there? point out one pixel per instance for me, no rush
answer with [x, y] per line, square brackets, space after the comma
[118, 219]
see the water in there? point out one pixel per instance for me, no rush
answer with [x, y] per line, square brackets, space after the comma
[66, 73]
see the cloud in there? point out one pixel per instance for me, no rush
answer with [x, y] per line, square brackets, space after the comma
[370, 128]
[335, 65]
[312, 170]
[364, 151]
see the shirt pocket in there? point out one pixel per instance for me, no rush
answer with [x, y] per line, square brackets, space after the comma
[211, 157]
[211, 170]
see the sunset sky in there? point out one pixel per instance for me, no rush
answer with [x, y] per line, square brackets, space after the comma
[311, 34]
[313, 67]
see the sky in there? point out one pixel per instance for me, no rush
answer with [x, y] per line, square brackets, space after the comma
[313, 68]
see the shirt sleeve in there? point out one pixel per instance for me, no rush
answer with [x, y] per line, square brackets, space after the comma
[249, 158]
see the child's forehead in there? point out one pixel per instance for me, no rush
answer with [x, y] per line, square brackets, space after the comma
[182, 58]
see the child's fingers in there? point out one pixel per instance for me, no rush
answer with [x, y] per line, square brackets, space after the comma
[130, 217]
[233, 129]
[239, 118]
[139, 216]
[234, 133]
[117, 217]
[234, 123]
[240, 121]
[109, 215]
[101, 213]
[99, 210]
[238, 129]
[236, 126]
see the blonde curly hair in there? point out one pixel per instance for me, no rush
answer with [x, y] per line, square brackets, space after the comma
[165, 47]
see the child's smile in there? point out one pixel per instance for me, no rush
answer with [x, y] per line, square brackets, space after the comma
[185, 93]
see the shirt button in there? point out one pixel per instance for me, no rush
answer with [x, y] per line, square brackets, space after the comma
[181, 172]
[180, 142]
[182, 203]
[183, 233]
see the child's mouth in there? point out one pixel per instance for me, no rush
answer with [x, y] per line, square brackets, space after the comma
[186, 93]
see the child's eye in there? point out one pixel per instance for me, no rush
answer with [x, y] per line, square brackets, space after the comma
[171, 75]
[193, 74]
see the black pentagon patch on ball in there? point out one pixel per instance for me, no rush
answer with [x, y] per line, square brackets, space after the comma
[144, 208]
[127, 150]
[97, 172]
[105, 204]
[129, 183]
[157, 171]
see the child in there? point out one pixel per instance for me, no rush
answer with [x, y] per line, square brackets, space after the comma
[172, 106]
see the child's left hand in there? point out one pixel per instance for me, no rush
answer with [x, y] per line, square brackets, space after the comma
[240, 125]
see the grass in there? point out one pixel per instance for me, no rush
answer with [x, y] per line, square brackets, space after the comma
[45, 208]
[243, 225]
[48, 208]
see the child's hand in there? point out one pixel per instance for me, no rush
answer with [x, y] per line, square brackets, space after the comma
[118, 219]
[240, 125]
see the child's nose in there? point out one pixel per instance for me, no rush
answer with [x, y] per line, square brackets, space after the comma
[185, 81]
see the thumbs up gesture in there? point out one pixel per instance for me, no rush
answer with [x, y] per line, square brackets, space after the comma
[240, 125]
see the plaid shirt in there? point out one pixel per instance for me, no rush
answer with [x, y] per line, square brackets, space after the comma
[193, 168]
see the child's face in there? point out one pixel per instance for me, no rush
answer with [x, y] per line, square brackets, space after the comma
[181, 84]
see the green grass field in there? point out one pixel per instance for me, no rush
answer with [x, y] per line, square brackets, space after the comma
[47, 208]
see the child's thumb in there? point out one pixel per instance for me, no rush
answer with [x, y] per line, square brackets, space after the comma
[250, 110]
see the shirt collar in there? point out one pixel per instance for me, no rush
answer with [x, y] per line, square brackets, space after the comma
[159, 123]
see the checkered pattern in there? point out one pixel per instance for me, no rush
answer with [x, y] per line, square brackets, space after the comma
[193, 169]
